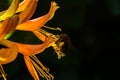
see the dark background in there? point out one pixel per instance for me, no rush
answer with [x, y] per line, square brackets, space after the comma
[93, 27]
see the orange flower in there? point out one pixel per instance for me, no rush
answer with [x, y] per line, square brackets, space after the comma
[17, 17]
[35, 26]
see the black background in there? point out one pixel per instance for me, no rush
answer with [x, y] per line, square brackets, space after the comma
[93, 27]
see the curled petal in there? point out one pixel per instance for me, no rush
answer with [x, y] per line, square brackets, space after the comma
[11, 10]
[28, 11]
[8, 26]
[8, 54]
[53, 8]
[37, 23]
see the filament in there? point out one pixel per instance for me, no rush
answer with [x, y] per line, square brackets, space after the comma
[2, 72]
[53, 28]
[41, 69]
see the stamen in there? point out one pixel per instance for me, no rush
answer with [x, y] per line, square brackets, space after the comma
[45, 33]
[57, 45]
[41, 69]
[2, 72]
[53, 28]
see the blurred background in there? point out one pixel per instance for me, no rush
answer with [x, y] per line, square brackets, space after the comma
[93, 28]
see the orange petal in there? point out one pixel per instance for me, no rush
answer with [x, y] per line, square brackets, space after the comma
[4, 29]
[39, 35]
[15, 20]
[27, 49]
[28, 11]
[23, 5]
[31, 68]
[8, 54]
[37, 23]
[8, 25]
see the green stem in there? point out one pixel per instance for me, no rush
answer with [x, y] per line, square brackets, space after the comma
[8, 35]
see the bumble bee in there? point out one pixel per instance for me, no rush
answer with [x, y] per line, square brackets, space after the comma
[63, 44]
